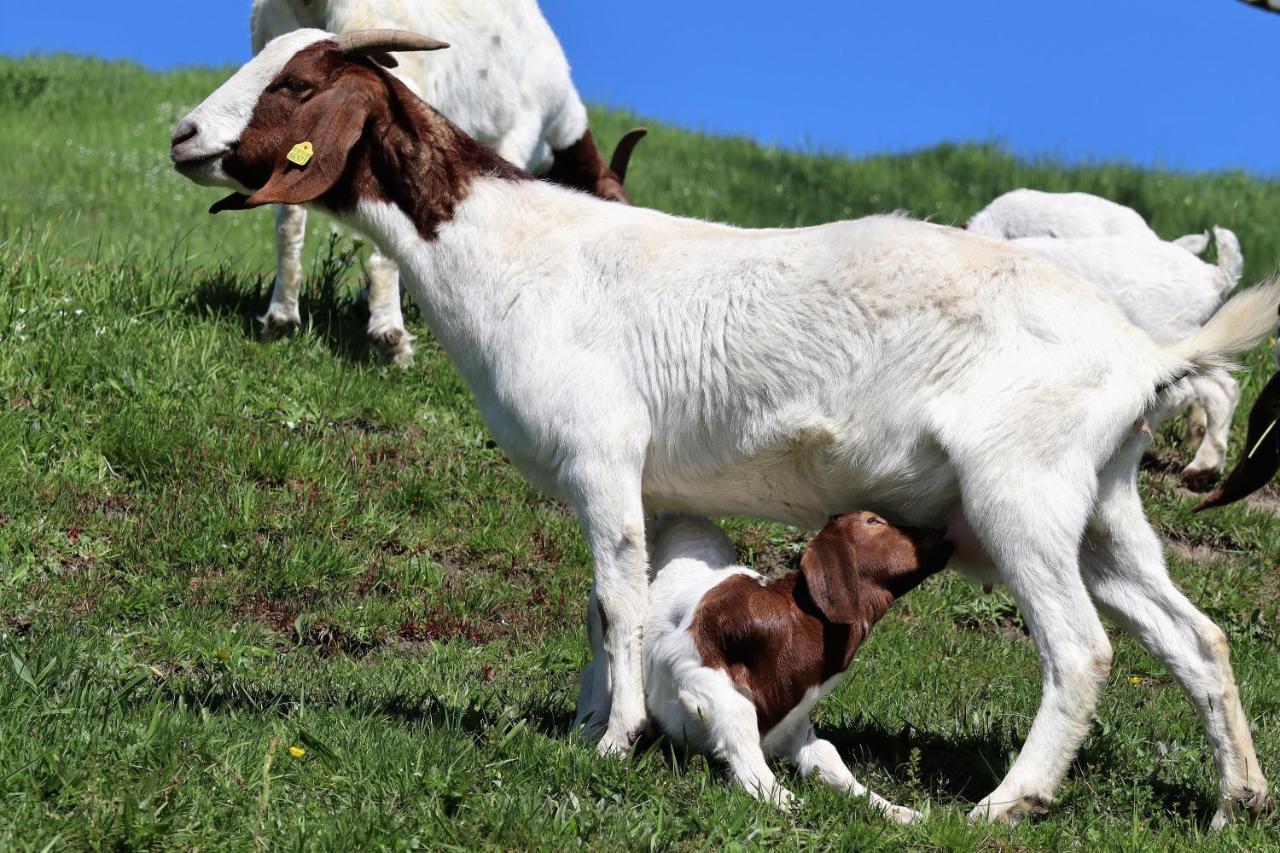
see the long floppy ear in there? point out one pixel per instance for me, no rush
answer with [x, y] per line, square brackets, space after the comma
[331, 123]
[827, 566]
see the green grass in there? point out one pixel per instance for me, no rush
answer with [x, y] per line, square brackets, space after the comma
[214, 550]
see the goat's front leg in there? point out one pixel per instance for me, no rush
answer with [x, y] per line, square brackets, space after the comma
[282, 315]
[814, 756]
[386, 321]
[607, 499]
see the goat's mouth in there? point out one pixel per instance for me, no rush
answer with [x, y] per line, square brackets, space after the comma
[205, 169]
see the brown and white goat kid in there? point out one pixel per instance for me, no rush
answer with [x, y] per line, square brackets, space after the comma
[632, 361]
[735, 663]
[523, 105]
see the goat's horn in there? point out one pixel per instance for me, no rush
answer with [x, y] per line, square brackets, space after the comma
[622, 151]
[375, 41]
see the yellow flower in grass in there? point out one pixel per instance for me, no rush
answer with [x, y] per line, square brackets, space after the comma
[297, 751]
[1135, 679]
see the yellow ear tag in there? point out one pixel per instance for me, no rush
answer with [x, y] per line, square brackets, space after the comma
[300, 153]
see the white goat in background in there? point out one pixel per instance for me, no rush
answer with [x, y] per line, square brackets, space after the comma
[628, 361]
[1036, 213]
[506, 83]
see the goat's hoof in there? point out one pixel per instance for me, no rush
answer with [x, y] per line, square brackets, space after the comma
[1011, 812]
[782, 798]
[1201, 480]
[1247, 804]
[394, 347]
[617, 744]
[902, 814]
[275, 326]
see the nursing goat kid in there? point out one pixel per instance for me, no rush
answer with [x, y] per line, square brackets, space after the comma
[1035, 213]
[629, 360]
[1169, 293]
[506, 84]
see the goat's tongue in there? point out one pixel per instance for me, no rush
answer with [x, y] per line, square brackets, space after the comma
[235, 201]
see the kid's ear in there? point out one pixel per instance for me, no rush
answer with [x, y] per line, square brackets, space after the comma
[317, 145]
[829, 572]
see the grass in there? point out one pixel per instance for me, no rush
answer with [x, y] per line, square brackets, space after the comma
[216, 550]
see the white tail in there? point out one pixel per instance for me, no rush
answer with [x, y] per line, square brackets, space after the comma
[1245, 321]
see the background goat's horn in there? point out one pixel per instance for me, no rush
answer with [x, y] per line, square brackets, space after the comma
[622, 153]
[380, 41]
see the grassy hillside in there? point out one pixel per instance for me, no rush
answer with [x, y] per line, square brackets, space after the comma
[213, 550]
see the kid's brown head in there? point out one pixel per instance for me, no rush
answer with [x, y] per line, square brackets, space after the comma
[859, 563]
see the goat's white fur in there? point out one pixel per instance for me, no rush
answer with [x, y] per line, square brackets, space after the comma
[1035, 213]
[699, 706]
[1169, 294]
[505, 81]
[630, 360]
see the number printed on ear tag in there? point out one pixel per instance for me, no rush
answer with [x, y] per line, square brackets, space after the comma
[300, 153]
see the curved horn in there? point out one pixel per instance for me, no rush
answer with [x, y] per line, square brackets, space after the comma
[622, 151]
[383, 41]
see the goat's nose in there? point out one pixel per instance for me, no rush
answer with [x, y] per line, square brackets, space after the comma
[186, 130]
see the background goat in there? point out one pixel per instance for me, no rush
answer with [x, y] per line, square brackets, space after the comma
[1169, 293]
[522, 104]
[629, 360]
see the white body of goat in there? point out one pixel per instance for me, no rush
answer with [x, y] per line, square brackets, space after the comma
[505, 82]
[1169, 293]
[630, 360]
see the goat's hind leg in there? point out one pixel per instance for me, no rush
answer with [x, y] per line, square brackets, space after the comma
[1124, 568]
[814, 756]
[1032, 531]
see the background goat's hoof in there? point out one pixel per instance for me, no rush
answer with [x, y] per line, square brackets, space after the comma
[394, 347]
[277, 325]
[1199, 480]
[1247, 804]
[1011, 812]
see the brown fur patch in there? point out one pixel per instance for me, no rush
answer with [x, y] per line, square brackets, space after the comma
[776, 642]
[580, 166]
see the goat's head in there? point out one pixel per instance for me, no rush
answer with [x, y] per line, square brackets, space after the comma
[859, 555]
[307, 88]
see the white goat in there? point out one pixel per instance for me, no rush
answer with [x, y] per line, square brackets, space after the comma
[630, 360]
[1034, 213]
[521, 102]
[1169, 293]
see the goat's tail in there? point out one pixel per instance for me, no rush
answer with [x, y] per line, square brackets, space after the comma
[1230, 258]
[1246, 320]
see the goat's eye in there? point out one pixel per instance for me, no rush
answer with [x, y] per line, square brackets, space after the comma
[874, 519]
[295, 86]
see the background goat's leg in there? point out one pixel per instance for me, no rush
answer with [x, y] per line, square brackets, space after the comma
[386, 322]
[1218, 392]
[593, 689]
[1124, 568]
[1033, 541]
[282, 315]
[607, 498]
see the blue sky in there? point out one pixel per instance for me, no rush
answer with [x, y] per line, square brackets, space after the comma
[1188, 84]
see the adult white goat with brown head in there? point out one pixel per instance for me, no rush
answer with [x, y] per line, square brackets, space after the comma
[506, 83]
[630, 361]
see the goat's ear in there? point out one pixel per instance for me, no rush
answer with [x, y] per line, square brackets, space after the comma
[829, 571]
[331, 123]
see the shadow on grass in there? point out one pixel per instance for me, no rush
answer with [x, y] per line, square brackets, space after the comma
[332, 307]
